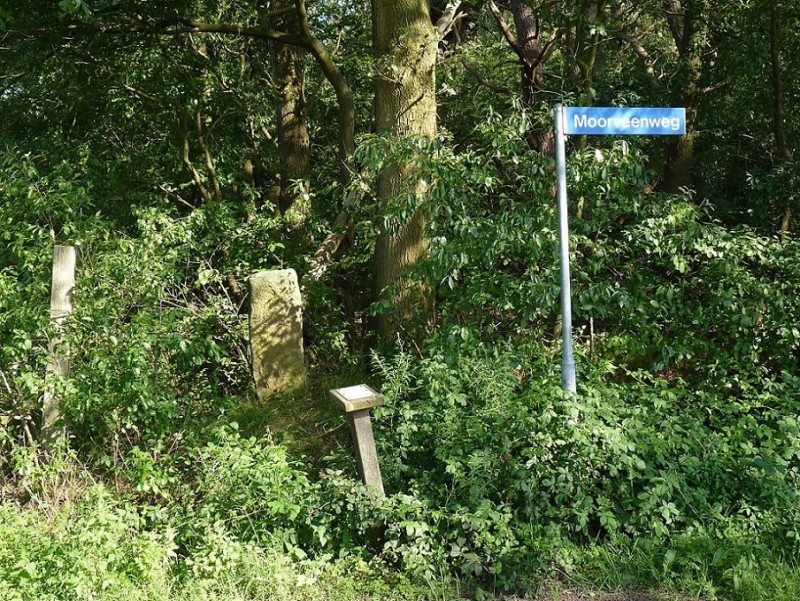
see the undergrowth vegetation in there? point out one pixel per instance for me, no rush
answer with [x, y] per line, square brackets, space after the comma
[676, 467]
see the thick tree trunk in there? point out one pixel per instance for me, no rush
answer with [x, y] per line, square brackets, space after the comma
[689, 35]
[680, 149]
[405, 44]
[288, 68]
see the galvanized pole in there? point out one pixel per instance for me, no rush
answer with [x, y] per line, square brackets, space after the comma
[567, 359]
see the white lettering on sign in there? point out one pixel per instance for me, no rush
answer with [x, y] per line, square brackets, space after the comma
[626, 122]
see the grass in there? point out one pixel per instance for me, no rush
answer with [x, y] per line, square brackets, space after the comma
[625, 565]
[89, 543]
[98, 547]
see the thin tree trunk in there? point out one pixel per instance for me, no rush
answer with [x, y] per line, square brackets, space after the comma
[294, 142]
[680, 151]
[586, 43]
[405, 43]
[778, 112]
[786, 223]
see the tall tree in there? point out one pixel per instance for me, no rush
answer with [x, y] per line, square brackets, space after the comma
[288, 68]
[778, 110]
[689, 32]
[532, 50]
[405, 43]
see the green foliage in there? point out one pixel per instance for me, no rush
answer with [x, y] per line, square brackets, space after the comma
[702, 567]
[657, 282]
[157, 337]
[35, 210]
[699, 447]
[247, 490]
[101, 548]
[684, 437]
[93, 549]
[518, 467]
[676, 466]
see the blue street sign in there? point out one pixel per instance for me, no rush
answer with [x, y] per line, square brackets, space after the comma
[596, 121]
[624, 121]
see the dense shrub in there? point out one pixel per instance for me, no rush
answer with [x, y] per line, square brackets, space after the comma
[519, 460]
[95, 549]
[682, 448]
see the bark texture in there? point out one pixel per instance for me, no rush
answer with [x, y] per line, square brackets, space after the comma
[689, 33]
[527, 42]
[587, 40]
[778, 110]
[288, 69]
[405, 43]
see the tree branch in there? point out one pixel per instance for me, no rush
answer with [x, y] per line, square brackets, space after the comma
[676, 19]
[138, 93]
[448, 19]
[641, 52]
[505, 29]
[305, 39]
[172, 26]
[344, 96]
[177, 197]
[482, 80]
[713, 87]
[547, 51]
[198, 180]
[323, 257]
[212, 172]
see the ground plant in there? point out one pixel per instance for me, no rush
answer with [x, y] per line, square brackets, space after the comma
[399, 157]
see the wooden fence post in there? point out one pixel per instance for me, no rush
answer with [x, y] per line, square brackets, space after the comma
[58, 364]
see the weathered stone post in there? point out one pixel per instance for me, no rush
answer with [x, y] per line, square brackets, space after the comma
[58, 364]
[356, 402]
[276, 333]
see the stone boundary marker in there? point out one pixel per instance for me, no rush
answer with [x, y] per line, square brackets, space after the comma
[276, 333]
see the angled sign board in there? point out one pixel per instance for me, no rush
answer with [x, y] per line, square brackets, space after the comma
[624, 121]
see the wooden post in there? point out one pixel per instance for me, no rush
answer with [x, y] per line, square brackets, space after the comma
[58, 364]
[356, 402]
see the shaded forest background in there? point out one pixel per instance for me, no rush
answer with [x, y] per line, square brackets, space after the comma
[398, 156]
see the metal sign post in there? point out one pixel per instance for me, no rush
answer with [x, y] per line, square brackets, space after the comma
[567, 358]
[596, 121]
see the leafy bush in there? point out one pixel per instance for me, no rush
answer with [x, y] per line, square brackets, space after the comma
[99, 547]
[657, 283]
[94, 549]
[246, 488]
[516, 466]
[157, 335]
[684, 426]
[682, 449]
[35, 210]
